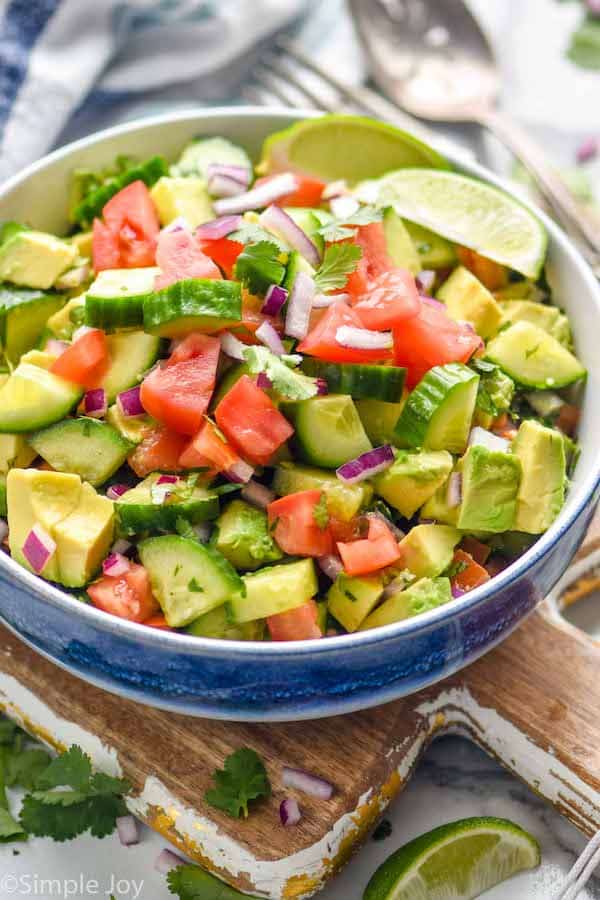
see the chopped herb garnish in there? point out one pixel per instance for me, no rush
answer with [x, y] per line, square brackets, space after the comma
[383, 830]
[321, 513]
[195, 587]
[339, 261]
[242, 780]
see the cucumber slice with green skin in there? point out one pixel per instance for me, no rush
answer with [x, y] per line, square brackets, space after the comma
[534, 358]
[328, 430]
[86, 447]
[379, 419]
[137, 512]
[3, 506]
[131, 355]
[196, 304]
[273, 590]
[435, 252]
[439, 412]
[198, 155]
[115, 300]
[92, 205]
[216, 624]
[188, 579]
[296, 264]
[33, 398]
[343, 500]
[23, 316]
[227, 381]
[361, 382]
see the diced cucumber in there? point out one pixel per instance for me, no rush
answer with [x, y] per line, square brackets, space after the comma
[435, 252]
[131, 355]
[215, 624]
[534, 358]
[420, 597]
[227, 381]
[439, 412]
[242, 536]
[115, 300]
[413, 478]
[343, 500]
[23, 316]
[33, 397]
[88, 448]
[133, 428]
[350, 600]
[362, 382]
[188, 578]
[196, 304]
[548, 318]
[197, 156]
[400, 245]
[380, 418]
[3, 506]
[138, 510]
[94, 202]
[328, 430]
[296, 263]
[273, 590]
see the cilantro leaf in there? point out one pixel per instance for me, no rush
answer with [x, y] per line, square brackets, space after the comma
[364, 215]
[286, 381]
[339, 261]
[8, 731]
[584, 50]
[193, 883]
[10, 829]
[73, 768]
[242, 779]
[338, 229]
[194, 586]
[23, 769]
[333, 231]
[251, 233]
[455, 568]
[321, 513]
[258, 266]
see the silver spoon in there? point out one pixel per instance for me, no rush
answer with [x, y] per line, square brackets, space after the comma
[432, 59]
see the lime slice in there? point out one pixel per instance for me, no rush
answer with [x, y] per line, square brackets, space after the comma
[458, 861]
[466, 211]
[350, 147]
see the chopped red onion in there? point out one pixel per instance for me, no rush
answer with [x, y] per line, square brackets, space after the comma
[224, 186]
[307, 783]
[457, 591]
[289, 812]
[343, 207]
[115, 564]
[73, 278]
[241, 174]
[322, 387]
[79, 332]
[257, 494]
[127, 828]
[331, 565]
[121, 546]
[167, 479]
[425, 281]
[56, 347]
[276, 220]
[322, 301]
[274, 299]
[299, 306]
[3, 530]
[335, 189]
[167, 860]
[38, 548]
[363, 339]
[231, 346]
[95, 403]
[240, 472]
[202, 531]
[454, 490]
[268, 336]
[263, 381]
[366, 465]
[116, 490]
[218, 228]
[482, 438]
[431, 302]
[259, 197]
[129, 402]
[588, 149]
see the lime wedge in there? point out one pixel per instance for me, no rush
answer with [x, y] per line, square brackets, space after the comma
[466, 211]
[350, 147]
[458, 861]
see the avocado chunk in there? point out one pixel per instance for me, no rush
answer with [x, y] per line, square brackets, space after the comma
[437, 508]
[400, 245]
[542, 490]
[427, 550]
[490, 484]
[273, 590]
[3, 506]
[84, 537]
[467, 299]
[242, 536]
[35, 259]
[351, 599]
[63, 323]
[413, 478]
[343, 500]
[420, 597]
[132, 428]
[434, 251]
[548, 318]
[216, 624]
[83, 241]
[187, 198]
[15, 452]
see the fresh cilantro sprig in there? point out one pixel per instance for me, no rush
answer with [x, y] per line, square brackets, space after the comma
[339, 261]
[242, 779]
[193, 883]
[285, 380]
[321, 513]
[259, 265]
[341, 228]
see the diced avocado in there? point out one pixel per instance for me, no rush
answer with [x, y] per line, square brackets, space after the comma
[62, 324]
[490, 484]
[434, 251]
[273, 590]
[533, 357]
[133, 428]
[87, 447]
[84, 538]
[188, 578]
[520, 290]
[242, 536]
[343, 500]
[427, 550]
[152, 507]
[39, 358]
[542, 490]
[215, 624]
[413, 478]
[548, 318]
[15, 452]
[420, 597]
[23, 316]
[33, 397]
[400, 246]
[350, 600]
[3, 506]
[83, 243]
[379, 418]
[467, 299]
[187, 198]
[35, 259]
[322, 614]
[437, 508]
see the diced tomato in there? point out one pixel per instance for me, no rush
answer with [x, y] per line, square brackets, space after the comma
[178, 394]
[209, 450]
[346, 531]
[377, 550]
[391, 298]
[222, 251]
[321, 340]
[158, 452]
[131, 220]
[471, 576]
[504, 427]
[307, 193]
[252, 422]
[299, 624]
[374, 261]
[294, 526]
[158, 621]
[252, 318]
[495, 565]
[85, 361]
[432, 339]
[476, 549]
[128, 596]
[568, 418]
[493, 275]
[179, 256]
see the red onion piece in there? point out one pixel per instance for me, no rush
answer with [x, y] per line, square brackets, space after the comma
[331, 565]
[259, 197]
[335, 189]
[589, 148]
[343, 207]
[240, 472]
[241, 174]
[289, 812]
[457, 591]
[231, 346]
[454, 491]
[425, 281]
[263, 381]
[56, 347]
[129, 402]
[299, 306]
[366, 465]
[121, 546]
[218, 228]
[482, 438]
[38, 548]
[322, 387]
[276, 220]
[95, 404]
[127, 828]
[167, 860]
[3, 530]
[274, 299]
[307, 783]
[257, 494]
[167, 479]
[116, 490]
[431, 302]
[220, 185]
[363, 339]
[115, 564]
[269, 337]
[202, 531]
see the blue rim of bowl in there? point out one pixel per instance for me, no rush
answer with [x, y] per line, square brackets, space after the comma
[217, 647]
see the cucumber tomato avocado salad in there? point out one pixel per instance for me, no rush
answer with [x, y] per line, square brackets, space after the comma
[281, 407]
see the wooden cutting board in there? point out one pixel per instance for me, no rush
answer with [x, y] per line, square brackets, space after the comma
[533, 704]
